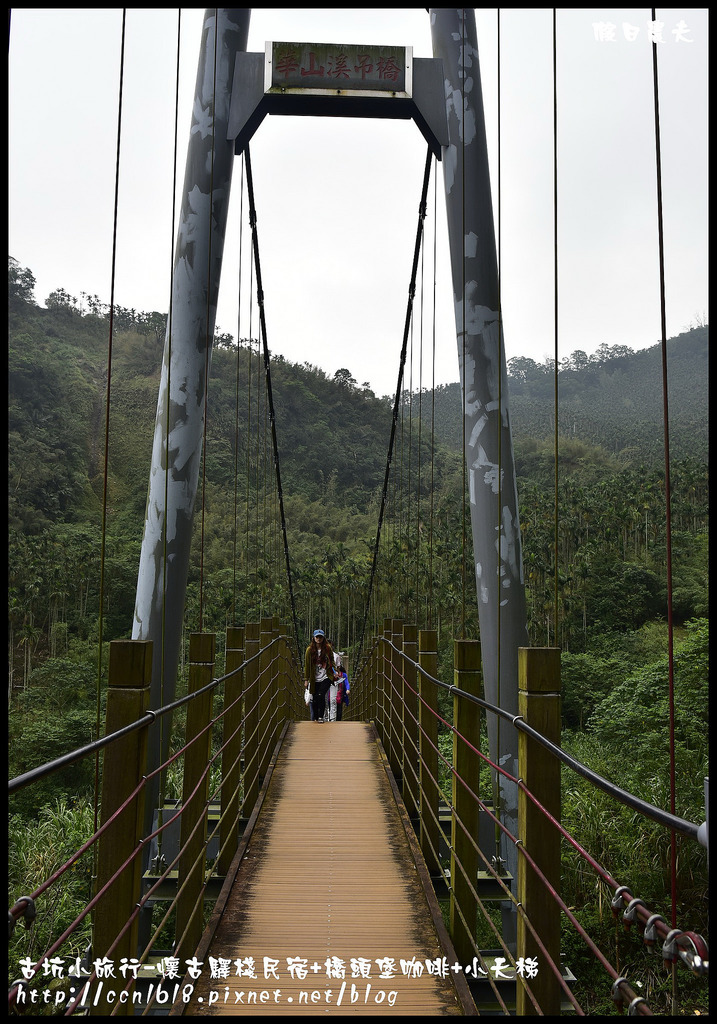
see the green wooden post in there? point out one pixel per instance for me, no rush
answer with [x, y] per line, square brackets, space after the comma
[192, 861]
[539, 704]
[251, 713]
[410, 721]
[295, 706]
[382, 703]
[130, 674]
[395, 701]
[231, 755]
[466, 763]
[427, 745]
[277, 686]
[285, 706]
[369, 704]
[266, 696]
[371, 695]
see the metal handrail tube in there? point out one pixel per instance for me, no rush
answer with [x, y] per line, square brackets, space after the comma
[43, 770]
[670, 821]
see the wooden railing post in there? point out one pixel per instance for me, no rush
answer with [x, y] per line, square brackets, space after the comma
[427, 745]
[193, 835]
[369, 699]
[410, 721]
[231, 755]
[125, 762]
[266, 697]
[383, 680]
[464, 823]
[539, 704]
[288, 708]
[395, 701]
[251, 714]
[277, 694]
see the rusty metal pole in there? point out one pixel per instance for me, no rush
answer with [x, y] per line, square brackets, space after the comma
[481, 353]
[266, 695]
[395, 702]
[231, 755]
[540, 771]
[410, 722]
[177, 447]
[124, 766]
[251, 716]
[195, 796]
[464, 821]
[383, 682]
[428, 745]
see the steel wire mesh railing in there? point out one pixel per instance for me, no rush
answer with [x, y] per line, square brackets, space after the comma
[399, 694]
[387, 696]
[267, 702]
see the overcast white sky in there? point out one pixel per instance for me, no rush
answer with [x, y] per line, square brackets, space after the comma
[337, 199]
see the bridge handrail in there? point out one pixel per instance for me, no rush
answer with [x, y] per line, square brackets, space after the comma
[398, 681]
[25, 907]
[648, 810]
[42, 771]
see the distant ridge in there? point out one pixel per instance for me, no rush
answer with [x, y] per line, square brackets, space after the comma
[614, 400]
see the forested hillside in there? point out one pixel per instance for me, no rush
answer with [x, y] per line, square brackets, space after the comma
[613, 399]
[333, 437]
[76, 510]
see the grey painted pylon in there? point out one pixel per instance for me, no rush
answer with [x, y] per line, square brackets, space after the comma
[489, 447]
[177, 446]
[179, 426]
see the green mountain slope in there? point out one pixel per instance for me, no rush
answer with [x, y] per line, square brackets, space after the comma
[614, 400]
[333, 438]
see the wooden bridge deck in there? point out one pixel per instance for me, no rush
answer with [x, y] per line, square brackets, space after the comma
[329, 870]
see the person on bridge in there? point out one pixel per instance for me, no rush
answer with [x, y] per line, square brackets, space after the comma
[332, 695]
[319, 672]
[341, 696]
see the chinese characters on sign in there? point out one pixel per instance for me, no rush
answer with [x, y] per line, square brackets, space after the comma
[607, 32]
[112, 982]
[331, 67]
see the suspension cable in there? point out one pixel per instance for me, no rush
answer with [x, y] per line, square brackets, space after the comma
[248, 436]
[107, 415]
[163, 628]
[207, 341]
[236, 398]
[463, 327]
[497, 795]
[407, 324]
[420, 424]
[433, 408]
[555, 275]
[668, 509]
[269, 395]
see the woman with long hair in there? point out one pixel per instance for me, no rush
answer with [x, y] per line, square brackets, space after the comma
[319, 672]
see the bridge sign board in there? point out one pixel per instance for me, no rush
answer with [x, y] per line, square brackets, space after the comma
[339, 69]
[337, 80]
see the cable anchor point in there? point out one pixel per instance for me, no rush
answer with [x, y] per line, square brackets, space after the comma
[650, 933]
[617, 996]
[630, 914]
[617, 900]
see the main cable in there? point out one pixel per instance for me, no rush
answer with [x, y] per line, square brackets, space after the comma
[269, 395]
[399, 384]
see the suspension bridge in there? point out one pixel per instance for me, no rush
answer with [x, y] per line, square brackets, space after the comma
[327, 870]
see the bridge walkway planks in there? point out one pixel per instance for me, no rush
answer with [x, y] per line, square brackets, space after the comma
[330, 869]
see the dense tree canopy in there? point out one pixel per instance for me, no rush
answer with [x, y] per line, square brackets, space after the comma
[76, 519]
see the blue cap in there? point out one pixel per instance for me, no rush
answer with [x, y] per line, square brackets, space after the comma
[319, 632]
